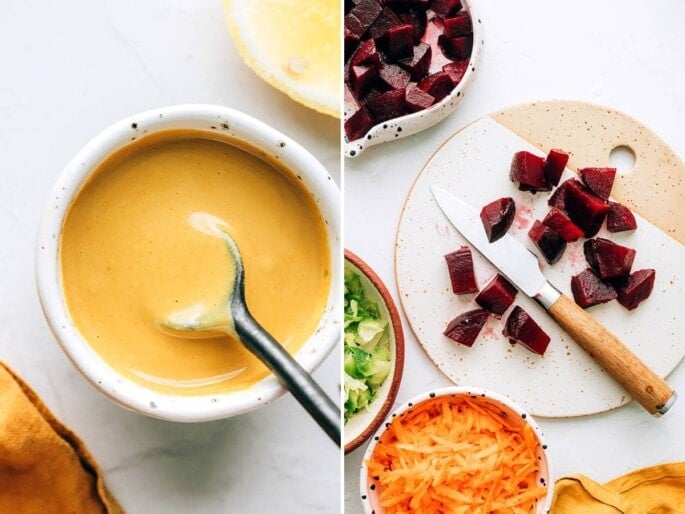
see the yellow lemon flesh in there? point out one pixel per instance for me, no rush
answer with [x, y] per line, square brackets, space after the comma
[295, 45]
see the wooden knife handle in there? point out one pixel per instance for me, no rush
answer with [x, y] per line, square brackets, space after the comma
[646, 387]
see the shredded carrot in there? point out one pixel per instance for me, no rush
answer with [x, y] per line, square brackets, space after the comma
[457, 454]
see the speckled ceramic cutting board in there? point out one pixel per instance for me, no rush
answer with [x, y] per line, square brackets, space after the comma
[474, 165]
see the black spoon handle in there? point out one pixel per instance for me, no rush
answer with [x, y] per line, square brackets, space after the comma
[288, 371]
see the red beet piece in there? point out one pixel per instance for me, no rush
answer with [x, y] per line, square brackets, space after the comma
[608, 259]
[416, 99]
[400, 41]
[446, 8]
[583, 207]
[527, 170]
[497, 296]
[558, 197]
[419, 20]
[387, 105]
[460, 268]
[438, 85]
[599, 180]
[636, 289]
[361, 78]
[456, 48]
[548, 241]
[417, 65]
[619, 218]
[456, 70]
[557, 220]
[358, 124]
[521, 328]
[497, 217]
[362, 16]
[459, 25]
[387, 20]
[465, 328]
[366, 55]
[589, 290]
[554, 166]
[394, 76]
[351, 43]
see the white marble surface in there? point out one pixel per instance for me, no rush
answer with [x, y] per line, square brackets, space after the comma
[623, 54]
[67, 71]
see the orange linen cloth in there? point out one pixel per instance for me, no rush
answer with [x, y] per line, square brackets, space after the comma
[44, 467]
[655, 490]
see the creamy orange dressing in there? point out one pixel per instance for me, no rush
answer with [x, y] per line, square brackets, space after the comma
[129, 257]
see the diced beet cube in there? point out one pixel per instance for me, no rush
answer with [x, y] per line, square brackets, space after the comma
[351, 43]
[446, 8]
[497, 296]
[438, 85]
[558, 197]
[416, 99]
[386, 106]
[589, 290]
[497, 217]
[556, 219]
[366, 55]
[608, 259]
[554, 166]
[362, 16]
[583, 207]
[456, 48]
[361, 78]
[456, 70]
[548, 241]
[459, 25]
[419, 63]
[465, 328]
[636, 289]
[460, 268]
[358, 124]
[387, 20]
[527, 170]
[521, 328]
[599, 180]
[400, 41]
[418, 20]
[354, 25]
[619, 218]
[394, 76]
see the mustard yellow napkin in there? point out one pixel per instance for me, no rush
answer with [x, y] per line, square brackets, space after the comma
[655, 490]
[44, 467]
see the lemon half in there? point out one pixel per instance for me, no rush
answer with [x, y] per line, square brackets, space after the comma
[295, 45]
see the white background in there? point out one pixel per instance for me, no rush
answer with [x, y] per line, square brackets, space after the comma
[68, 70]
[625, 54]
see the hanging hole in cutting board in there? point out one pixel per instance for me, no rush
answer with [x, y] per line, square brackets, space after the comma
[622, 158]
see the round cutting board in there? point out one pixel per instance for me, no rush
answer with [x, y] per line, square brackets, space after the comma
[474, 165]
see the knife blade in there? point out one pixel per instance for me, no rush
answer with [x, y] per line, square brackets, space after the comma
[522, 268]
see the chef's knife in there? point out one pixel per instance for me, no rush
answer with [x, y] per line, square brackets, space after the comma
[521, 267]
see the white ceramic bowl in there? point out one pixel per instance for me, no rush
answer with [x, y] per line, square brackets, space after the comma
[545, 476]
[409, 124]
[212, 120]
[364, 423]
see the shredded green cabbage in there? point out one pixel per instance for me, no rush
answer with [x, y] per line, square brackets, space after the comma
[367, 347]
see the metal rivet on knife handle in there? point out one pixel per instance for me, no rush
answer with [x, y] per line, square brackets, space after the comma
[646, 387]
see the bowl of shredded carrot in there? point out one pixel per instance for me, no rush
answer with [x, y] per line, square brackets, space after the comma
[457, 450]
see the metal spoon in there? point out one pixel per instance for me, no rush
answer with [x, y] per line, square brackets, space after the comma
[233, 318]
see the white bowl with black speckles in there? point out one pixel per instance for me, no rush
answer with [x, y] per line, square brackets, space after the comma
[545, 477]
[210, 119]
[409, 124]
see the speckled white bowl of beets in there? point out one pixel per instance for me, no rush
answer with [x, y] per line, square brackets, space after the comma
[408, 64]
